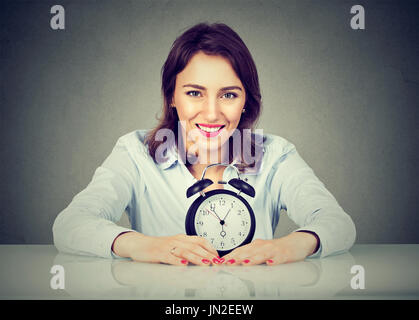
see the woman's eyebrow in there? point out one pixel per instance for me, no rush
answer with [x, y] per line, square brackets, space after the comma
[203, 88]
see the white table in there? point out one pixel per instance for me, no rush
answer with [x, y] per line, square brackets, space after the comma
[391, 272]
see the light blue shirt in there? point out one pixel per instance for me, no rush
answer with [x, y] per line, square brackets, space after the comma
[154, 196]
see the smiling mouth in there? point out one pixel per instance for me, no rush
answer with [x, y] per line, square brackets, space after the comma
[210, 130]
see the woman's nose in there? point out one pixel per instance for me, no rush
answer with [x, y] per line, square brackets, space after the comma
[211, 110]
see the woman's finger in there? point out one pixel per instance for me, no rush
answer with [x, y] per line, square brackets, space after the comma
[174, 258]
[280, 257]
[192, 253]
[192, 257]
[204, 243]
[183, 249]
[257, 259]
[239, 255]
[257, 252]
[204, 255]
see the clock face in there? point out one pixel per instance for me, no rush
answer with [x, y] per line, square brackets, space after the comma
[224, 220]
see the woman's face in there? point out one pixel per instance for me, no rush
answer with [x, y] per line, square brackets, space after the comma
[209, 99]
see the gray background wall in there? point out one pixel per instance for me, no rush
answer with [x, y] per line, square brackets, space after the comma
[347, 99]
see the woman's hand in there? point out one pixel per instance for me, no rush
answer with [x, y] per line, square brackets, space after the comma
[177, 250]
[291, 248]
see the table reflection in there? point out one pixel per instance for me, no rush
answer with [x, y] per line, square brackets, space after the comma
[95, 278]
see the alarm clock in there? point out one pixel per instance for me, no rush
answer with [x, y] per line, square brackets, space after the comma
[221, 216]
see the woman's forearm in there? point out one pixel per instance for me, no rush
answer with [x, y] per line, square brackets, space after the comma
[312, 241]
[300, 245]
[309, 241]
[126, 243]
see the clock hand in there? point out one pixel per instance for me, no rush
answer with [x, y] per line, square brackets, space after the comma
[222, 233]
[227, 214]
[216, 215]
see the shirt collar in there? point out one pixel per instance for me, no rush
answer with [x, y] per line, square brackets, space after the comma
[172, 159]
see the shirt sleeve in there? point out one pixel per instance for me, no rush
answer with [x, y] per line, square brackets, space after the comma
[311, 206]
[88, 225]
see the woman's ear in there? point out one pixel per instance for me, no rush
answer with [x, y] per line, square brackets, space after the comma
[172, 102]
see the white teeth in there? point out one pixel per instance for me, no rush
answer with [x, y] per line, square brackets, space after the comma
[206, 129]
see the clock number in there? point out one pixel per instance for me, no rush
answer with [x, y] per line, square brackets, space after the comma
[205, 234]
[212, 206]
[222, 202]
[222, 244]
[200, 222]
[233, 241]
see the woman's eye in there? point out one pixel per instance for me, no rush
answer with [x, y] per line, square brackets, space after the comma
[193, 93]
[230, 95]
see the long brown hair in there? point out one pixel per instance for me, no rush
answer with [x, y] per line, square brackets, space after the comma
[212, 39]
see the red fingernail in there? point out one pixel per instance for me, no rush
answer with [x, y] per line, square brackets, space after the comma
[205, 261]
[270, 261]
[221, 260]
[231, 261]
[184, 261]
[246, 261]
[216, 261]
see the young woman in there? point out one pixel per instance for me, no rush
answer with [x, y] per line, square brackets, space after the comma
[211, 95]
